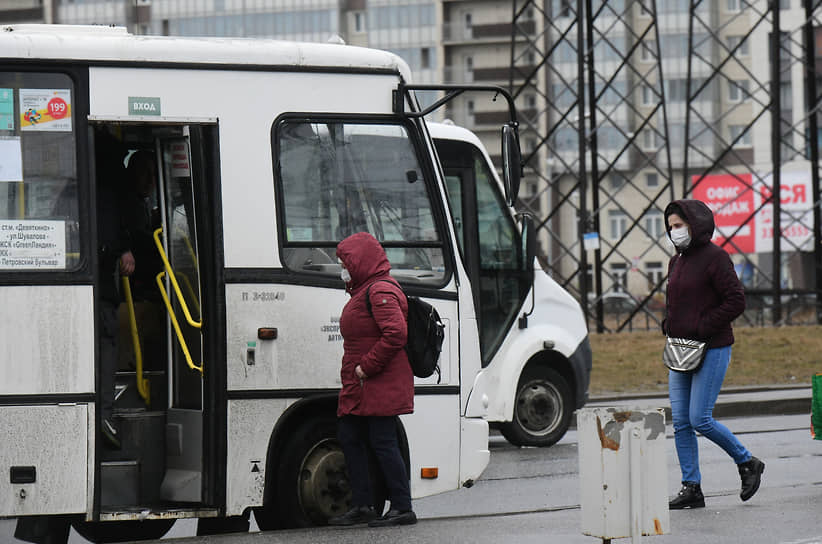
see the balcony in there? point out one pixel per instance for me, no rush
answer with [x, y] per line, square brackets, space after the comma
[453, 32]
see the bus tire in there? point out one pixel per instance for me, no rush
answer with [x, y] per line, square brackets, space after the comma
[542, 409]
[312, 481]
[120, 531]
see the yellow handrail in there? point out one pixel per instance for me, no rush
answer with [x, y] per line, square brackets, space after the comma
[173, 278]
[190, 290]
[143, 386]
[175, 324]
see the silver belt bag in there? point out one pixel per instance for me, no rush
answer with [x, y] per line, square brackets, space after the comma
[683, 354]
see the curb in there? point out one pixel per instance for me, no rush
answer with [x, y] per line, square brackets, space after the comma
[735, 402]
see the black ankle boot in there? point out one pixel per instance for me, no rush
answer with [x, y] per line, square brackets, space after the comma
[690, 496]
[355, 516]
[750, 472]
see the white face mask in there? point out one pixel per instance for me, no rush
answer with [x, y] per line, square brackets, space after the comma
[681, 237]
[345, 275]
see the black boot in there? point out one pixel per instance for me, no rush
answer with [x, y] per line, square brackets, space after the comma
[750, 472]
[690, 496]
[357, 515]
[395, 517]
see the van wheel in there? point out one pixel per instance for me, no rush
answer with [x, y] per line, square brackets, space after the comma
[312, 481]
[542, 409]
[121, 531]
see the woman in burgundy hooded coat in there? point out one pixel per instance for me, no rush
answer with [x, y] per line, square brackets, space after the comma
[377, 382]
[704, 296]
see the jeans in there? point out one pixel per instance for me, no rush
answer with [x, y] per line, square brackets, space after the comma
[693, 396]
[359, 433]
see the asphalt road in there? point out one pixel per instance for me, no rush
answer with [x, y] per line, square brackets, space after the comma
[532, 495]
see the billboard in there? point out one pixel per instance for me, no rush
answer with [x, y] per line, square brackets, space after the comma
[735, 197]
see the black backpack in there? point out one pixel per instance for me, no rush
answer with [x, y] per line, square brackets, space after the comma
[425, 335]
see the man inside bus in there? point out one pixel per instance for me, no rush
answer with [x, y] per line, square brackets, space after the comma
[124, 226]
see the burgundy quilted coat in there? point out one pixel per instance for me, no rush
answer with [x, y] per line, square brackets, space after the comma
[375, 343]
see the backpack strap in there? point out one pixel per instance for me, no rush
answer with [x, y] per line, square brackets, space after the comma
[368, 294]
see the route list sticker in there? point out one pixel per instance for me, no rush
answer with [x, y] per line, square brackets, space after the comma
[38, 245]
[45, 110]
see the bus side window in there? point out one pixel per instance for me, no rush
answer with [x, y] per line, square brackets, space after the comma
[39, 215]
[338, 178]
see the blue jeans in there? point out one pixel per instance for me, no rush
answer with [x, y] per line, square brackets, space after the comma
[692, 404]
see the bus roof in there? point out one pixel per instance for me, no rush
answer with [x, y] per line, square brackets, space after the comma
[116, 44]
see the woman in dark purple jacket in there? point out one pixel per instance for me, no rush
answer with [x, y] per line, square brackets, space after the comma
[377, 381]
[704, 296]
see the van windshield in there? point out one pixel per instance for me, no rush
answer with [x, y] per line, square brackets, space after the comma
[338, 178]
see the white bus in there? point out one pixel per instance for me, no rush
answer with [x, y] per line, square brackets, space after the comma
[536, 369]
[268, 154]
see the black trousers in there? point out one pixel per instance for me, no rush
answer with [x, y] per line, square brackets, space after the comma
[358, 434]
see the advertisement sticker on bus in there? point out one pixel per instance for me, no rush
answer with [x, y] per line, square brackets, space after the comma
[39, 245]
[6, 109]
[45, 110]
[11, 159]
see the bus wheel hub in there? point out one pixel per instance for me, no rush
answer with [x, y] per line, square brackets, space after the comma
[324, 489]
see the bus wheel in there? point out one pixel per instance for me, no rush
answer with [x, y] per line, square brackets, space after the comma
[120, 531]
[542, 409]
[312, 482]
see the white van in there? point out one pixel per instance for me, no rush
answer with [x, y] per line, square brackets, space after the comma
[267, 155]
[536, 357]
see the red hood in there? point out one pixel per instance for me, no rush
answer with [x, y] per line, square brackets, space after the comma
[364, 258]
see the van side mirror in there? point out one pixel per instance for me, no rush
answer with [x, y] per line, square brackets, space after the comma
[511, 163]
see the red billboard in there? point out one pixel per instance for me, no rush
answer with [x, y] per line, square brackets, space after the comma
[731, 198]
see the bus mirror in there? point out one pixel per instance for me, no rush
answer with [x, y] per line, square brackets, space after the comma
[529, 245]
[511, 163]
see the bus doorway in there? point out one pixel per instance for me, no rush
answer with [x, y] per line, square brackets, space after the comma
[153, 214]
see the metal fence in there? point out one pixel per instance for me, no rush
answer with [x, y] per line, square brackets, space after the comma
[648, 101]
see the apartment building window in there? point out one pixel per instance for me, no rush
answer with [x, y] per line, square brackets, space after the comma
[468, 21]
[469, 64]
[618, 224]
[653, 224]
[425, 58]
[653, 272]
[735, 131]
[652, 179]
[619, 277]
[648, 51]
[743, 50]
[786, 95]
[562, 8]
[650, 140]
[469, 109]
[359, 21]
[676, 90]
[733, 5]
[616, 179]
[738, 91]
[648, 96]
[530, 101]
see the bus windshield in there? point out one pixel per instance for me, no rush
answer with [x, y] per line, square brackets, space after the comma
[339, 178]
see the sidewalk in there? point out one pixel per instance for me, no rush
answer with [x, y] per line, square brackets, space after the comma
[732, 402]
